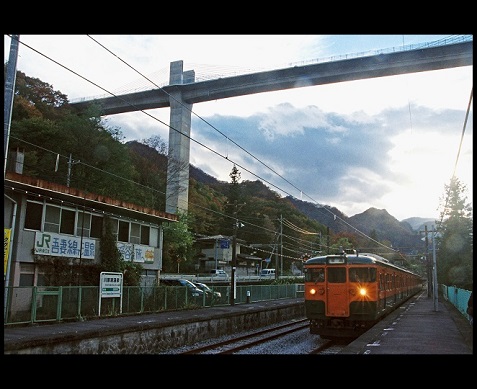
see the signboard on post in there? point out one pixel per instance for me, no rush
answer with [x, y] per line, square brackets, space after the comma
[224, 244]
[111, 285]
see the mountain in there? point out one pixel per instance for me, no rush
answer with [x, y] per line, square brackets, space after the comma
[418, 223]
[377, 223]
[373, 222]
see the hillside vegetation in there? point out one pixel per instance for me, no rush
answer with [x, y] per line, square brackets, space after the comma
[47, 128]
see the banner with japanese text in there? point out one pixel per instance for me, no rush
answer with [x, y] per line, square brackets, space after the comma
[136, 252]
[49, 243]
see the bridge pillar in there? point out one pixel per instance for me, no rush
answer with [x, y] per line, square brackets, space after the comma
[177, 188]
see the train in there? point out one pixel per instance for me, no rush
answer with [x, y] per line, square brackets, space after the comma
[346, 294]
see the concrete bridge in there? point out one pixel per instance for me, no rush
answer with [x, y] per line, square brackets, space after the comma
[182, 92]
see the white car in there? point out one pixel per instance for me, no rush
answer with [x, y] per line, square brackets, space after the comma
[267, 273]
[219, 273]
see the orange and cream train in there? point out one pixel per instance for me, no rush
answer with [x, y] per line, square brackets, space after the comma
[347, 294]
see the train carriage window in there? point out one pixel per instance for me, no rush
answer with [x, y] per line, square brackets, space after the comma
[315, 275]
[362, 274]
[336, 275]
[381, 281]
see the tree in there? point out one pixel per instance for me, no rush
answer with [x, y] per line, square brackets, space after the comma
[341, 244]
[109, 253]
[454, 238]
[178, 241]
[234, 188]
[156, 143]
[233, 199]
[46, 127]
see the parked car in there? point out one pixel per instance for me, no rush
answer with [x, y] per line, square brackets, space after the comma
[267, 273]
[219, 273]
[208, 292]
[194, 290]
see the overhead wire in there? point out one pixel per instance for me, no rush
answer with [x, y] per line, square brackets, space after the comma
[458, 155]
[190, 138]
[235, 143]
[201, 144]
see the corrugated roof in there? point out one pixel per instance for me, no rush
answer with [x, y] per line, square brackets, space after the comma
[98, 202]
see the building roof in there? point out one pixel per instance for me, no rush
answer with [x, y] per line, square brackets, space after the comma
[15, 181]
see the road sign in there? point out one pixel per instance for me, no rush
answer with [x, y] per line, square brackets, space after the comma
[224, 244]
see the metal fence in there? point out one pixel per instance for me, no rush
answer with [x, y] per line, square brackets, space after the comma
[457, 297]
[37, 304]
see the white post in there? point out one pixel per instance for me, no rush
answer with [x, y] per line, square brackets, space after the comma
[215, 253]
[434, 271]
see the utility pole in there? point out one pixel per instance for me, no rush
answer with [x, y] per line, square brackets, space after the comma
[234, 252]
[428, 263]
[327, 240]
[434, 270]
[281, 249]
[8, 96]
[215, 252]
[71, 162]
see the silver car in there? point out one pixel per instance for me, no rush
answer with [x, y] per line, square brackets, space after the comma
[208, 292]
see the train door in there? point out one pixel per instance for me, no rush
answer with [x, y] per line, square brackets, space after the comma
[337, 295]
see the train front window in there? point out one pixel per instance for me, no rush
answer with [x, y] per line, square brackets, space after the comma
[315, 275]
[336, 275]
[362, 274]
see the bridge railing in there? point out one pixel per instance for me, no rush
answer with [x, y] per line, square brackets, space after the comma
[204, 73]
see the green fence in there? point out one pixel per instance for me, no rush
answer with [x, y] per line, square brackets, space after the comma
[37, 304]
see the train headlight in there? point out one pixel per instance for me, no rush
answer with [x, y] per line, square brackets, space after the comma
[362, 291]
[312, 291]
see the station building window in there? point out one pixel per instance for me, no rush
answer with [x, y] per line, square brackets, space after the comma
[123, 231]
[59, 220]
[145, 233]
[91, 227]
[33, 215]
[78, 222]
[27, 274]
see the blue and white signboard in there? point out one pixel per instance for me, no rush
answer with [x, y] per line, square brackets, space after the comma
[224, 244]
[49, 243]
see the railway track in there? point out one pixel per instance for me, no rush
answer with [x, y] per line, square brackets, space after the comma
[330, 347]
[234, 345]
[265, 342]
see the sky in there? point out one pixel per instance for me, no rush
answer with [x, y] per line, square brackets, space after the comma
[389, 143]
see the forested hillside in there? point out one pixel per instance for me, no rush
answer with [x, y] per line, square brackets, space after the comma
[93, 157]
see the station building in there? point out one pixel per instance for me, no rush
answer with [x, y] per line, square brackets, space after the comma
[44, 219]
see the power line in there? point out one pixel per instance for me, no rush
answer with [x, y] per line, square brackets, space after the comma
[206, 147]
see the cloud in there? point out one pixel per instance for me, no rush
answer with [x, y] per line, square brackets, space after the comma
[355, 159]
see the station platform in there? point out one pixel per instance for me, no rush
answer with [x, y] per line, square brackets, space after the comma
[420, 326]
[416, 327]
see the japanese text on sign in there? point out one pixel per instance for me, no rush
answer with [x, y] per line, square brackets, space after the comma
[49, 243]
